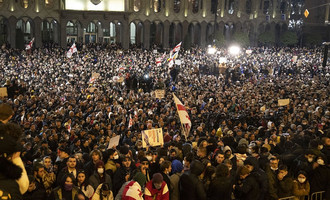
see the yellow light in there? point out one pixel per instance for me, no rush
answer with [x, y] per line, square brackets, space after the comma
[147, 12]
[166, 13]
[204, 13]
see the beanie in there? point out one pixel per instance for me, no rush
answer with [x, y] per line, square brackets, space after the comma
[140, 178]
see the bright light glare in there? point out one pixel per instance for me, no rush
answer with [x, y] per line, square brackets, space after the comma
[234, 50]
[211, 50]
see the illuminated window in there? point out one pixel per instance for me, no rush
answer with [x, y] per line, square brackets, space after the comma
[25, 3]
[176, 6]
[112, 29]
[157, 6]
[91, 28]
[132, 33]
[71, 28]
[195, 6]
[231, 6]
[49, 3]
[137, 5]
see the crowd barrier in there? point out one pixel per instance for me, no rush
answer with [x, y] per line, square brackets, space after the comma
[317, 196]
[314, 196]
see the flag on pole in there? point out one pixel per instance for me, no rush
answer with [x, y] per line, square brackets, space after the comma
[130, 123]
[159, 60]
[176, 49]
[183, 115]
[29, 46]
[172, 59]
[73, 49]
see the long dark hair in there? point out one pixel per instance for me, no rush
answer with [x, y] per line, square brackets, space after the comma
[85, 183]
[64, 179]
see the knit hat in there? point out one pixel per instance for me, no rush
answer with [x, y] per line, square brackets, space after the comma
[176, 166]
[140, 178]
[157, 178]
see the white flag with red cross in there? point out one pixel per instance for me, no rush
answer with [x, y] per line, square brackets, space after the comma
[29, 46]
[183, 115]
[73, 49]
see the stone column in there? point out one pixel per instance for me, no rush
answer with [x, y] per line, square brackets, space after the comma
[12, 31]
[203, 34]
[125, 35]
[146, 40]
[166, 34]
[63, 33]
[37, 32]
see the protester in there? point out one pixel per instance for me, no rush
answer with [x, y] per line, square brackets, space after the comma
[74, 107]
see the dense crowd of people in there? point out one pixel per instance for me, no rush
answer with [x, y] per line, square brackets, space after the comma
[60, 114]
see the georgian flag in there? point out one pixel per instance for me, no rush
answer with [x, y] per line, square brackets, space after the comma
[176, 48]
[160, 60]
[29, 46]
[71, 51]
[183, 115]
[132, 191]
[130, 122]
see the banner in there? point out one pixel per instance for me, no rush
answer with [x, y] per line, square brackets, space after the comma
[114, 141]
[153, 137]
[283, 102]
[3, 92]
[160, 94]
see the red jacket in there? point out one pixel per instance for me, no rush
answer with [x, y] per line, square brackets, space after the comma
[151, 193]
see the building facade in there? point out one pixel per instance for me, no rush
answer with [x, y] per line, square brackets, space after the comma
[159, 22]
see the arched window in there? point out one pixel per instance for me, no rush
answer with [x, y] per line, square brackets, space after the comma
[133, 33]
[91, 28]
[248, 7]
[112, 29]
[195, 4]
[137, 5]
[231, 6]
[71, 28]
[176, 6]
[157, 6]
[283, 6]
[47, 31]
[266, 7]
[3, 31]
[25, 3]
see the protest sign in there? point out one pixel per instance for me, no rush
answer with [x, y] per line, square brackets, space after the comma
[3, 92]
[114, 142]
[153, 137]
[283, 102]
[177, 62]
[160, 94]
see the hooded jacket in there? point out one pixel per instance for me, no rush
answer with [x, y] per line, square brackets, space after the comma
[9, 173]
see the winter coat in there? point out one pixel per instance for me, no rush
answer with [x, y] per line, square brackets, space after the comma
[300, 190]
[175, 178]
[220, 188]
[249, 189]
[260, 175]
[151, 193]
[191, 187]
[9, 172]
[59, 193]
[319, 180]
[285, 187]
[39, 193]
[95, 180]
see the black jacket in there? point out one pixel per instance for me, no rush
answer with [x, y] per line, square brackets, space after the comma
[248, 189]
[9, 172]
[191, 188]
[220, 188]
[320, 180]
